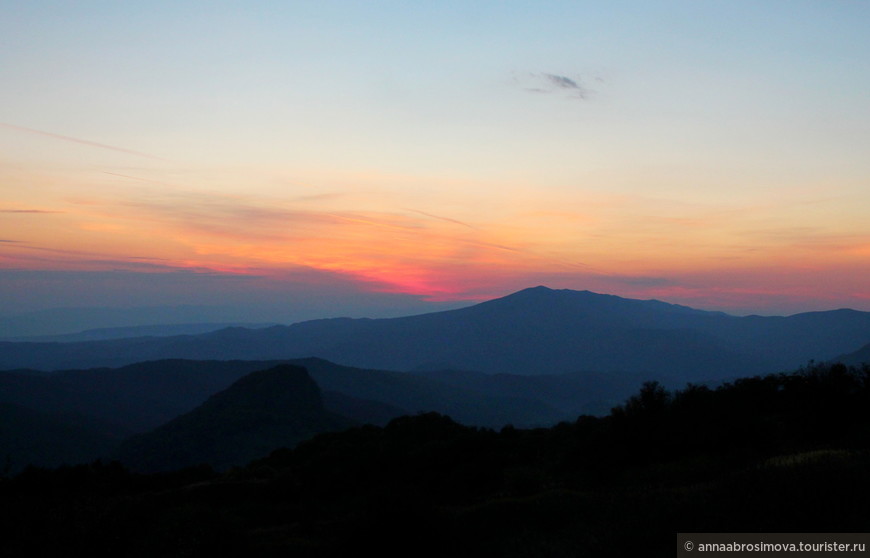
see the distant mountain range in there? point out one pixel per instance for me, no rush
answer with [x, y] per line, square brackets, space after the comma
[60, 321]
[106, 333]
[536, 331]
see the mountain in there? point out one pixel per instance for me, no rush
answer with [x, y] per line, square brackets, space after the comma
[531, 332]
[267, 409]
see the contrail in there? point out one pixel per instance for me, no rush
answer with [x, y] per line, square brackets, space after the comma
[368, 222]
[139, 178]
[80, 141]
[448, 219]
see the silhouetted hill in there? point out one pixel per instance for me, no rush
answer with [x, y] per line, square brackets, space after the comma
[267, 409]
[535, 331]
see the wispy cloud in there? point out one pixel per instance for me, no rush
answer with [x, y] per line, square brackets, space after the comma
[545, 82]
[77, 140]
[402, 251]
[237, 218]
[28, 211]
[319, 197]
[45, 257]
[399, 250]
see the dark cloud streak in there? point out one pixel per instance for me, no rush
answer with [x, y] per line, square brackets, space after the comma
[549, 83]
[562, 81]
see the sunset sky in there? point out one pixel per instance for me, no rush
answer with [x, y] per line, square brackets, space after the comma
[382, 158]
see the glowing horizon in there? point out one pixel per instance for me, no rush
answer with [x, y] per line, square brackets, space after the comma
[712, 155]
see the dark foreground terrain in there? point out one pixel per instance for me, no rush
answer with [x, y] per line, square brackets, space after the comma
[779, 453]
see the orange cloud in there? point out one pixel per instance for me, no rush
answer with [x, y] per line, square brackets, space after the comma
[632, 247]
[394, 251]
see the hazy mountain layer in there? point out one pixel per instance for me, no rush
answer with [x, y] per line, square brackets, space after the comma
[106, 333]
[535, 331]
[857, 358]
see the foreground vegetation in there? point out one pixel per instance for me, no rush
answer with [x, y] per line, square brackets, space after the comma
[786, 452]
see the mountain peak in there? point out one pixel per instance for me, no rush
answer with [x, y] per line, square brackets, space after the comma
[538, 288]
[571, 296]
[541, 293]
[542, 290]
[281, 389]
[276, 407]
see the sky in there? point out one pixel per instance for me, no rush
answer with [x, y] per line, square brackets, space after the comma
[316, 159]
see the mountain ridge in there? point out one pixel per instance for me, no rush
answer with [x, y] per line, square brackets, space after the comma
[533, 331]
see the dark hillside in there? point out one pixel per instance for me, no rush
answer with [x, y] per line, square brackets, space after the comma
[779, 453]
[52, 438]
[136, 397]
[110, 404]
